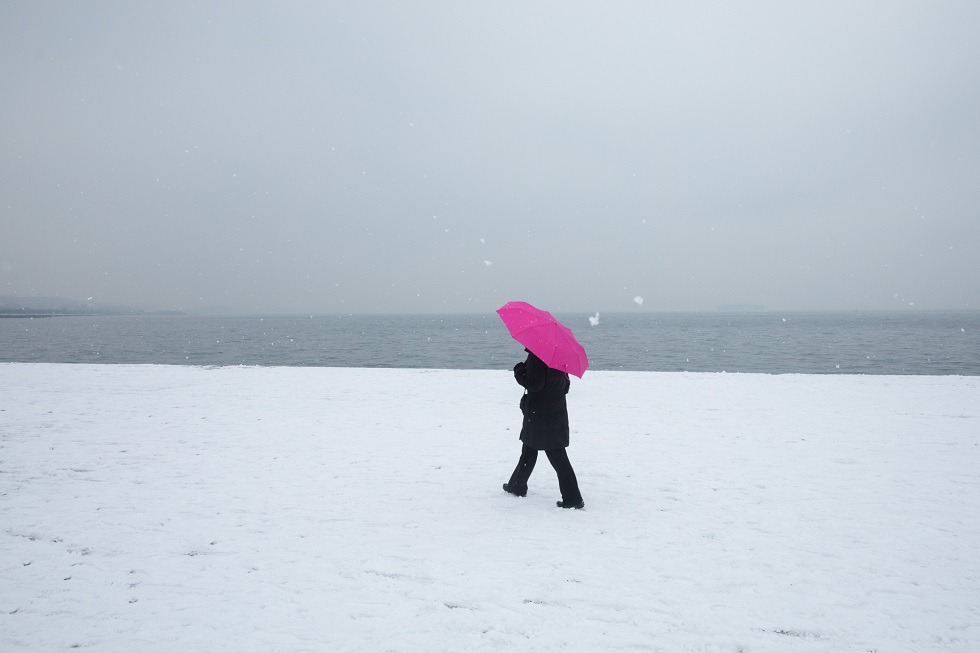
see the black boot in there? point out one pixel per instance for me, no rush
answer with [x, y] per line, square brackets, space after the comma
[569, 504]
[510, 490]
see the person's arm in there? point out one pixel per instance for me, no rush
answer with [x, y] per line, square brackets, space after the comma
[535, 374]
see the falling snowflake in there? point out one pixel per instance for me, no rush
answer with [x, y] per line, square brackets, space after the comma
[638, 300]
[594, 320]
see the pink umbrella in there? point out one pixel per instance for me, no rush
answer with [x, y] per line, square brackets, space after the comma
[545, 337]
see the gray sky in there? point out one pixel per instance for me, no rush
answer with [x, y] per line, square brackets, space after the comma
[450, 156]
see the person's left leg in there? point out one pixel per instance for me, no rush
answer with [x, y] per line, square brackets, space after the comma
[571, 497]
[518, 480]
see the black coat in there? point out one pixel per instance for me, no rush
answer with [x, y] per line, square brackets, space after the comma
[545, 411]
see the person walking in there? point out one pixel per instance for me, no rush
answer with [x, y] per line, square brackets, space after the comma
[545, 428]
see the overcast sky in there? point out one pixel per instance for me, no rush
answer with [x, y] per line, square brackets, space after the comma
[327, 157]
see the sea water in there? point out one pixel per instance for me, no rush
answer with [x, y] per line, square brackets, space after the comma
[939, 343]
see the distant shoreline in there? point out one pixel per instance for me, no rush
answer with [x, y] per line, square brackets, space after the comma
[31, 307]
[35, 314]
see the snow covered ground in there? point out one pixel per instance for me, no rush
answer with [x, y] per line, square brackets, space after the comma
[156, 508]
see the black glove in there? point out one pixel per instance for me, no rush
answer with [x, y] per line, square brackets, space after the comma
[520, 372]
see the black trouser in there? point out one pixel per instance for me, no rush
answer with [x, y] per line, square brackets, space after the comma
[567, 483]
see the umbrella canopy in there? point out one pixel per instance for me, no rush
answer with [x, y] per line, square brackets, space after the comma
[545, 337]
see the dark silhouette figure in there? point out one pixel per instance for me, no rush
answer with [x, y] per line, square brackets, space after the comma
[545, 429]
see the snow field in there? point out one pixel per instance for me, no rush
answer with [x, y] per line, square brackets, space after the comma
[158, 508]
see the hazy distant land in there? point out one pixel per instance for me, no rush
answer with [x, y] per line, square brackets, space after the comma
[11, 306]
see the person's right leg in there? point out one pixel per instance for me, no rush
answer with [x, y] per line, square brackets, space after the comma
[518, 480]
